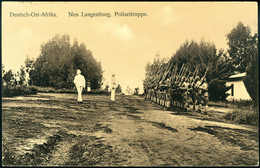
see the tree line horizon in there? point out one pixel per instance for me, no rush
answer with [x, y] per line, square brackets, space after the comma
[240, 56]
[58, 60]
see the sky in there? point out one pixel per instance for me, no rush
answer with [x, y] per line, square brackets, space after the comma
[123, 44]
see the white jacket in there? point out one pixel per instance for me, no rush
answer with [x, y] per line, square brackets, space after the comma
[79, 80]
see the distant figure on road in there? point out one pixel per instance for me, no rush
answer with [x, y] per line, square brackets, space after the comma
[113, 87]
[88, 86]
[80, 84]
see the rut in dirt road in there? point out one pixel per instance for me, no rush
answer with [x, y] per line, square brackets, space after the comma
[54, 130]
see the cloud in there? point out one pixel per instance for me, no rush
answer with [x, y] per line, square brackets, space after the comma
[124, 32]
[168, 16]
[120, 31]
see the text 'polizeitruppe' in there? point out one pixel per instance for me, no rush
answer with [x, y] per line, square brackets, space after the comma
[107, 14]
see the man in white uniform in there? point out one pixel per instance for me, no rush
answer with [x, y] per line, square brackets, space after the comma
[80, 84]
[113, 87]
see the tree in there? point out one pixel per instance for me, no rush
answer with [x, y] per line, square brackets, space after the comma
[241, 46]
[9, 78]
[22, 76]
[56, 66]
[243, 51]
[29, 66]
[3, 73]
[205, 56]
[251, 81]
[3, 70]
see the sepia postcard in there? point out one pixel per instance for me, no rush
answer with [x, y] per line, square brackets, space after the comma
[130, 83]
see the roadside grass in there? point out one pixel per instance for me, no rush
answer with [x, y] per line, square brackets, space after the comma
[243, 116]
[244, 111]
[231, 104]
[11, 91]
[242, 103]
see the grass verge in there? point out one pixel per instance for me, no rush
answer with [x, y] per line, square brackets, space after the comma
[64, 90]
[243, 116]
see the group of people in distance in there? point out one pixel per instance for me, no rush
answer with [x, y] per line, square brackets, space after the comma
[80, 84]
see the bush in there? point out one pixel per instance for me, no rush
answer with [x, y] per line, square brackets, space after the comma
[10, 91]
[98, 92]
[52, 90]
[231, 104]
[243, 116]
[64, 90]
[243, 103]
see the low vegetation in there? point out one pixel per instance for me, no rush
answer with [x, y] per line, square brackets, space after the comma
[243, 116]
[10, 91]
[64, 90]
[243, 111]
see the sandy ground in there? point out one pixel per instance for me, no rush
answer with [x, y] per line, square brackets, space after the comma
[52, 129]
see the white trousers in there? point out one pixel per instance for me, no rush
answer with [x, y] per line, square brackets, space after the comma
[113, 94]
[79, 90]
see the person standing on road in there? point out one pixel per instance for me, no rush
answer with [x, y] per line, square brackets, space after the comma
[80, 84]
[113, 87]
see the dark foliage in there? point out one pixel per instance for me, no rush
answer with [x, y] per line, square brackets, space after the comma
[56, 66]
[10, 91]
[243, 51]
[205, 56]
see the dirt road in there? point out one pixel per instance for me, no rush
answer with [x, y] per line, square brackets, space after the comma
[52, 129]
